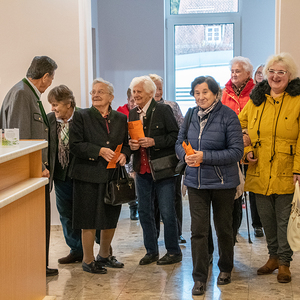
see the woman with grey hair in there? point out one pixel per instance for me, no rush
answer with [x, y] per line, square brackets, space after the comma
[272, 119]
[160, 130]
[94, 135]
[235, 95]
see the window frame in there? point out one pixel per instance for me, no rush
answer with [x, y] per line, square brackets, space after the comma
[194, 19]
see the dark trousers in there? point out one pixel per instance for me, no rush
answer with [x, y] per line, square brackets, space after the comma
[222, 204]
[274, 211]
[254, 213]
[178, 207]
[64, 204]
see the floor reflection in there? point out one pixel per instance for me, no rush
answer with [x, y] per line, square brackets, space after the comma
[173, 282]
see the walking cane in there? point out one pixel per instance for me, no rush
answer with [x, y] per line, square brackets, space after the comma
[247, 217]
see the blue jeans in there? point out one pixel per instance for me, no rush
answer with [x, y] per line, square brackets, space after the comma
[64, 204]
[165, 191]
[274, 212]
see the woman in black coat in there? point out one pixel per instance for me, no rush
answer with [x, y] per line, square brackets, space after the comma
[94, 135]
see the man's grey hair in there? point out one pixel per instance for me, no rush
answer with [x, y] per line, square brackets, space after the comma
[40, 66]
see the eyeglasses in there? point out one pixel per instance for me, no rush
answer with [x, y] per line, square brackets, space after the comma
[101, 93]
[259, 73]
[279, 73]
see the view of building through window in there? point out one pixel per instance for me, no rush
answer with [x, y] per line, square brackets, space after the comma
[201, 49]
[203, 6]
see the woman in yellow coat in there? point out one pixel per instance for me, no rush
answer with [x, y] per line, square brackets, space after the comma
[272, 118]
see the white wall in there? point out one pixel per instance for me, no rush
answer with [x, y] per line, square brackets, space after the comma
[131, 42]
[288, 28]
[258, 30]
[43, 27]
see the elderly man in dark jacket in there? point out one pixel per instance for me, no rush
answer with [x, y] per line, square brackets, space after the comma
[23, 109]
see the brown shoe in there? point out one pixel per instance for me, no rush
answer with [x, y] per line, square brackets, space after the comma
[271, 265]
[70, 258]
[284, 274]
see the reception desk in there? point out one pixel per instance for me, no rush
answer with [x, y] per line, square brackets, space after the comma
[22, 222]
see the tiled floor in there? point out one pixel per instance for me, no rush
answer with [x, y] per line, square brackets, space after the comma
[168, 282]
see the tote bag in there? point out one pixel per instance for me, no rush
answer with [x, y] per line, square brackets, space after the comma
[293, 230]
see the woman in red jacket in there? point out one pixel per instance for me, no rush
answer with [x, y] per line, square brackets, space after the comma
[235, 95]
[237, 90]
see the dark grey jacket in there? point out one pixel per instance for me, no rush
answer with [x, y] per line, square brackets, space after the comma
[21, 110]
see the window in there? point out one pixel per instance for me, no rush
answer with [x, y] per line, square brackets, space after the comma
[201, 39]
[213, 34]
[202, 6]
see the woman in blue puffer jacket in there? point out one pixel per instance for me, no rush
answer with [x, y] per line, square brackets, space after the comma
[215, 134]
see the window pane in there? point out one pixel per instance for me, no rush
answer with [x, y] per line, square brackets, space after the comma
[203, 6]
[201, 50]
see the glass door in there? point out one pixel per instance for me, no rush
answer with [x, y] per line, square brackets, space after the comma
[199, 45]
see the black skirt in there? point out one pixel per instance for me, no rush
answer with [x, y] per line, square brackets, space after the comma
[89, 209]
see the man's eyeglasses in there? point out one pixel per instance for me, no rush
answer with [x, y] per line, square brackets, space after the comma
[279, 73]
[101, 93]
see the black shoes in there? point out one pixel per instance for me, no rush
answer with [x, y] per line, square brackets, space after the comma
[258, 232]
[169, 259]
[134, 215]
[94, 267]
[51, 272]
[181, 240]
[224, 278]
[110, 262]
[148, 259]
[199, 288]
[71, 258]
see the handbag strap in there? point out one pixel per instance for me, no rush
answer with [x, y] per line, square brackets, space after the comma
[148, 132]
[189, 115]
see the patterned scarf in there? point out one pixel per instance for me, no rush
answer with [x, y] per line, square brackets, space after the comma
[238, 91]
[63, 143]
[203, 115]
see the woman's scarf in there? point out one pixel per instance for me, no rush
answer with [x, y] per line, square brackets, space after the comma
[63, 143]
[203, 115]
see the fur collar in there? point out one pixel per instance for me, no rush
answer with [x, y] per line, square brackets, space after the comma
[258, 93]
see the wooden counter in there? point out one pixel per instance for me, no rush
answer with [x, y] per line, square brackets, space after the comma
[22, 222]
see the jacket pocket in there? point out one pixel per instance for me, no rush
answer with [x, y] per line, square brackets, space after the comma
[253, 120]
[253, 169]
[38, 117]
[219, 174]
[288, 121]
[286, 151]
[157, 128]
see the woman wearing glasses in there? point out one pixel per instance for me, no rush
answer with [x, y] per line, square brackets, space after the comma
[258, 74]
[272, 119]
[94, 135]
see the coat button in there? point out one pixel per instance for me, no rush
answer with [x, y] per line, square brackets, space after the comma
[108, 121]
[107, 142]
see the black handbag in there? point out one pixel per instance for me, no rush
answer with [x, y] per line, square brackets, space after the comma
[180, 168]
[164, 167]
[120, 190]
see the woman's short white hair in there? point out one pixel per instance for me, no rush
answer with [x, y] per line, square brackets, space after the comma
[284, 58]
[109, 85]
[148, 84]
[243, 61]
[156, 77]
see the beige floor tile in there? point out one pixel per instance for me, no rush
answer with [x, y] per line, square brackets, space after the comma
[173, 282]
